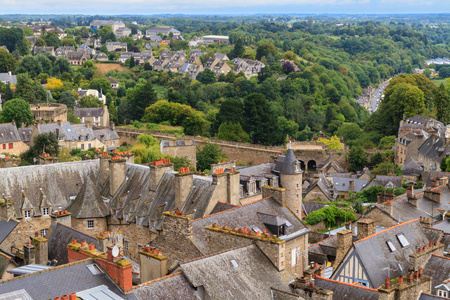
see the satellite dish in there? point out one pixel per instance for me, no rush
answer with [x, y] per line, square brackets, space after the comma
[115, 251]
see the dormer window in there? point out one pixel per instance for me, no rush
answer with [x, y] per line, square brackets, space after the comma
[45, 211]
[297, 167]
[140, 220]
[27, 214]
[252, 188]
[275, 182]
[126, 217]
[44, 232]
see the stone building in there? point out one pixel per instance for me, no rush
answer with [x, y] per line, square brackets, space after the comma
[52, 112]
[98, 116]
[180, 148]
[10, 140]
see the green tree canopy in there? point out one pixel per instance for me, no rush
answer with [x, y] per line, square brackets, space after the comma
[43, 142]
[232, 132]
[357, 159]
[17, 110]
[90, 101]
[208, 155]
[266, 49]
[7, 61]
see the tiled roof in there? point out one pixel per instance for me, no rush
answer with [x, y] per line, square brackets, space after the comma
[242, 273]
[62, 280]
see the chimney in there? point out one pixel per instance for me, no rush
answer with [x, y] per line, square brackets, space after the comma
[443, 180]
[351, 186]
[153, 264]
[278, 194]
[419, 259]
[388, 207]
[157, 170]
[366, 228]
[7, 209]
[117, 173]
[433, 195]
[63, 217]
[29, 253]
[41, 250]
[413, 200]
[112, 126]
[118, 269]
[344, 243]
[184, 181]
[233, 186]
[104, 168]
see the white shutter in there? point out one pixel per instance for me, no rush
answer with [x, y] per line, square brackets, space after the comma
[294, 257]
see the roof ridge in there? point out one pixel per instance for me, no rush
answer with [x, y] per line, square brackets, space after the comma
[340, 282]
[433, 228]
[50, 269]
[230, 209]
[387, 229]
[157, 279]
[217, 253]
[228, 203]
[440, 256]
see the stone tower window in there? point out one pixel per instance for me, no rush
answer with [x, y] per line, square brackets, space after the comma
[46, 211]
[90, 224]
[27, 214]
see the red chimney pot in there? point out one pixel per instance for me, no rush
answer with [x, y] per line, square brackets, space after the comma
[387, 283]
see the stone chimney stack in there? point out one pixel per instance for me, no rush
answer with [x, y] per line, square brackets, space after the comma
[41, 250]
[433, 195]
[366, 228]
[344, 243]
[157, 170]
[233, 187]
[351, 186]
[117, 173]
[443, 180]
[62, 217]
[104, 168]
[29, 253]
[153, 264]
[278, 194]
[184, 180]
[7, 208]
[389, 207]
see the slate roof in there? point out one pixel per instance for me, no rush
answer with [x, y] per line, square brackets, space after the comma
[9, 133]
[106, 133]
[25, 133]
[424, 296]
[89, 112]
[59, 237]
[61, 280]
[6, 227]
[252, 278]
[439, 268]
[325, 186]
[309, 207]
[173, 286]
[4, 262]
[222, 206]
[346, 291]
[383, 180]
[6, 77]
[251, 215]
[286, 164]
[88, 203]
[342, 184]
[434, 148]
[374, 252]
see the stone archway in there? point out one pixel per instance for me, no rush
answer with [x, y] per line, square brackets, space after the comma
[312, 166]
[302, 165]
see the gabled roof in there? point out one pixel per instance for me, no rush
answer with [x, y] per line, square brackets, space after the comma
[6, 227]
[346, 291]
[6, 77]
[173, 286]
[107, 134]
[439, 268]
[59, 237]
[61, 280]
[9, 133]
[88, 203]
[89, 112]
[376, 256]
[242, 273]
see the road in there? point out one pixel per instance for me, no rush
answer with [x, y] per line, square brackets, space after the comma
[377, 96]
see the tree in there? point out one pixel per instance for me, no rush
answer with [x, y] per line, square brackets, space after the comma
[387, 142]
[7, 61]
[44, 142]
[442, 102]
[61, 65]
[334, 143]
[232, 132]
[238, 50]
[90, 101]
[45, 62]
[101, 85]
[132, 62]
[266, 49]
[288, 55]
[230, 111]
[349, 131]
[444, 72]
[68, 99]
[30, 90]
[30, 65]
[53, 83]
[357, 159]
[8, 92]
[207, 77]
[208, 155]
[144, 96]
[17, 110]
[181, 162]
[259, 121]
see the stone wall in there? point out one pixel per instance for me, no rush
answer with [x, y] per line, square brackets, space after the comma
[81, 225]
[381, 218]
[189, 151]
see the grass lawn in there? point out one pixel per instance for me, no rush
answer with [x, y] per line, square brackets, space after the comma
[439, 81]
[156, 127]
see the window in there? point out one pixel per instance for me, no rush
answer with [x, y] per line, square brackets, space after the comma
[294, 257]
[297, 185]
[96, 119]
[252, 187]
[28, 214]
[46, 211]
[275, 182]
[44, 232]
[297, 196]
[140, 220]
[4, 146]
[127, 245]
[82, 146]
[153, 224]
[112, 143]
[126, 217]
[90, 224]
[403, 241]
[140, 247]
[89, 146]
[391, 246]
[10, 145]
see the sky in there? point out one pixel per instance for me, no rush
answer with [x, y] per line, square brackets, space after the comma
[232, 7]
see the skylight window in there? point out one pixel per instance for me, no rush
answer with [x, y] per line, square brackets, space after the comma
[234, 263]
[288, 224]
[403, 241]
[391, 246]
[256, 229]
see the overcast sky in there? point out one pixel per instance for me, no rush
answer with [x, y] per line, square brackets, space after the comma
[148, 7]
